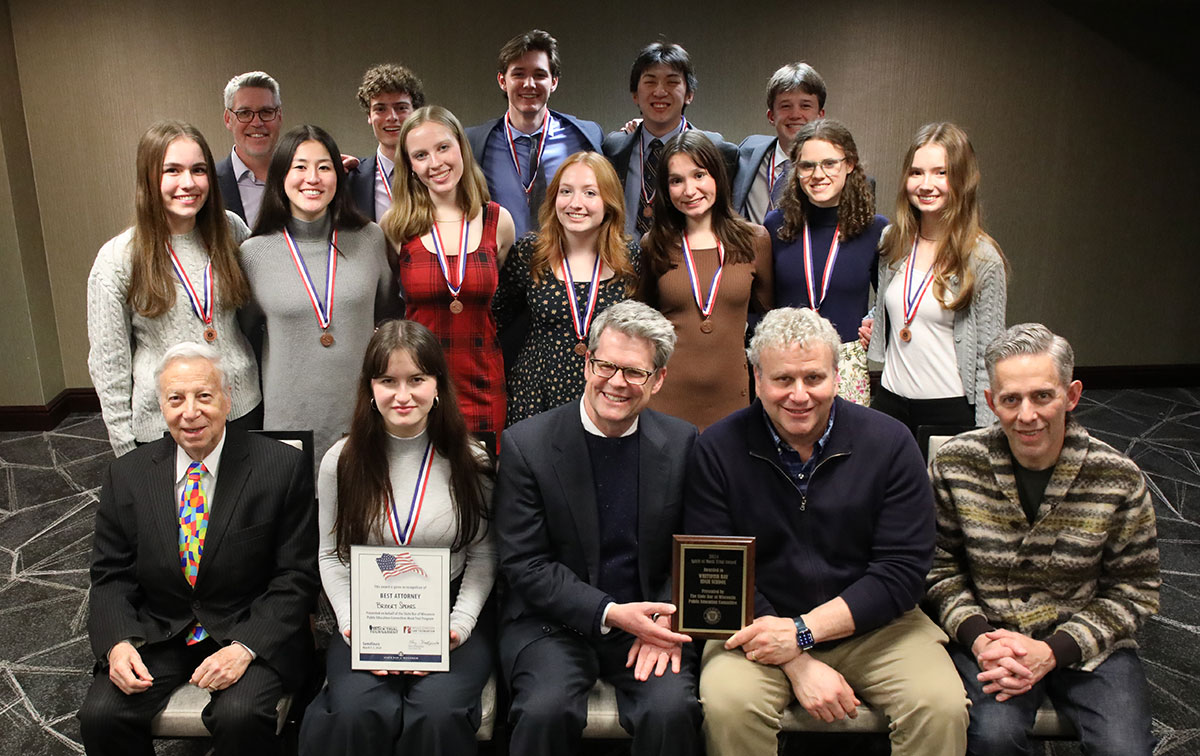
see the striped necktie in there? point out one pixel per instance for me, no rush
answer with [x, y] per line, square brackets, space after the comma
[193, 525]
[650, 182]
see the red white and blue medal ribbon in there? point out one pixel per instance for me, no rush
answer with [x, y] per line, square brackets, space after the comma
[439, 249]
[705, 309]
[830, 261]
[324, 311]
[537, 157]
[647, 198]
[912, 300]
[383, 179]
[203, 310]
[403, 533]
[581, 322]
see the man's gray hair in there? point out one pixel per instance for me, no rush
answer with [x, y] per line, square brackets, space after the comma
[192, 350]
[781, 328]
[1032, 339]
[639, 320]
[259, 79]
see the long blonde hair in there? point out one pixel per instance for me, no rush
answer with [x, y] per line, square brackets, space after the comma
[411, 213]
[961, 214]
[612, 245]
[152, 279]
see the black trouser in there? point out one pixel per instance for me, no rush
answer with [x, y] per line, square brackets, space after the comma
[954, 411]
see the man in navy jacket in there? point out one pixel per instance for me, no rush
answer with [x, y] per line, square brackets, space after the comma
[839, 502]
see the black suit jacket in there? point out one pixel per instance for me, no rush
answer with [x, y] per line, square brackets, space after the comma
[229, 188]
[362, 186]
[257, 579]
[548, 527]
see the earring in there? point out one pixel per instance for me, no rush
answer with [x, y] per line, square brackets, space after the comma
[373, 404]
[435, 402]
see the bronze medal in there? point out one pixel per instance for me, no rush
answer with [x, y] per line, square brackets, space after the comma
[905, 335]
[327, 339]
[706, 326]
[210, 334]
[647, 212]
[581, 349]
[455, 306]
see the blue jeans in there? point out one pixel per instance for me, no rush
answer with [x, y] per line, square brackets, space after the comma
[1109, 706]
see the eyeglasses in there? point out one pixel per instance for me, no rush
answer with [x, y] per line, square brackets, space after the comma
[634, 376]
[246, 115]
[829, 166]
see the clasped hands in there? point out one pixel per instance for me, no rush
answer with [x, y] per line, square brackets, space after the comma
[1012, 663]
[819, 688]
[217, 672]
[655, 646]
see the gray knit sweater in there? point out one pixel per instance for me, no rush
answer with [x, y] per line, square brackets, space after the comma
[1084, 574]
[124, 347]
[305, 385]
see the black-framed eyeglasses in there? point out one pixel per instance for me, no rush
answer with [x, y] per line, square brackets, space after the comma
[246, 115]
[829, 166]
[633, 375]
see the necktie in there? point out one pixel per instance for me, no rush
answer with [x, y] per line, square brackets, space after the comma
[193, 525]
[780, 184]
[649, 183]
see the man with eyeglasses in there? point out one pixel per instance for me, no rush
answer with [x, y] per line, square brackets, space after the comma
[838, 500]
[586, 500]
[254, 115]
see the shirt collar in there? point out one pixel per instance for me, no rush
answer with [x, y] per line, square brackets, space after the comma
[388, 165]
[647, 137]
[546, 123]
[818, 447]
[780, 155]
[182, 460]
[590, 427]
[239, 168]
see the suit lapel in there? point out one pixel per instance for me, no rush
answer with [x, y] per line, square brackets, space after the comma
[572, 466]
[233, 472]
[164, 506]
[653, 474]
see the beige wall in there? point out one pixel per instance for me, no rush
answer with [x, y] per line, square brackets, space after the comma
[1084, 149]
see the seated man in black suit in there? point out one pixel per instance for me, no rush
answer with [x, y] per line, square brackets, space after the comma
[795, 96]
[180, 596]
[521, 151]
[389, 93]
[663, 84]
[587, 498]
[254, 115]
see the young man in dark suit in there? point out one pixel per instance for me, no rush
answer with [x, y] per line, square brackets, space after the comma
[389, 94]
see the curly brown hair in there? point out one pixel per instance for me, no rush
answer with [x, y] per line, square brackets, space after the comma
[856, 205]
[389, 77]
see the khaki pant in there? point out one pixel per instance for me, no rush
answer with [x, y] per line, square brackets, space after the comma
[900, 668]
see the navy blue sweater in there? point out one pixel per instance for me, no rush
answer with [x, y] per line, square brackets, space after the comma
[865, 531]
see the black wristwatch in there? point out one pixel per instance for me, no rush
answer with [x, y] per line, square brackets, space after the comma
[804, 636]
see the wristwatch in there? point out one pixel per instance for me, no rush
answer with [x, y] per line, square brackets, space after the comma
[804, 636]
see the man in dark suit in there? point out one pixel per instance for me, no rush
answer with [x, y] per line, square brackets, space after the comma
[254, 115]
[663, 84]
[587, 498]
[539, 137]
[389, 93]
[795, 96]
[180, 595]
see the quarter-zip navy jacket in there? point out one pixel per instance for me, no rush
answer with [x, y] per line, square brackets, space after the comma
[865, 531]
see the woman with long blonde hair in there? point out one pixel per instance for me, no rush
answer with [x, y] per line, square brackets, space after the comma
[173, 276]
[451, 242]
[579, 264]
[942, 288]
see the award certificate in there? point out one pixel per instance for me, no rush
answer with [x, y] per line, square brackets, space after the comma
[400, 608]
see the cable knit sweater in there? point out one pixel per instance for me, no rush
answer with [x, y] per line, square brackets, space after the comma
[436, 527]
[1083, 577]
[125, 347]
[974, 325]
[307, 386]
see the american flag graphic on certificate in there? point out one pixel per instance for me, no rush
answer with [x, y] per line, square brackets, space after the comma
[391, 565]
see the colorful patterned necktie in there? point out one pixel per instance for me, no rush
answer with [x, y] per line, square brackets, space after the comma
[193, 525]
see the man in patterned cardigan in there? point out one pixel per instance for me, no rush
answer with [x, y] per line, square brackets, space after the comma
[1046, 561]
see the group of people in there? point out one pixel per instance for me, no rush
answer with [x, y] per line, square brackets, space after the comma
[270, 297]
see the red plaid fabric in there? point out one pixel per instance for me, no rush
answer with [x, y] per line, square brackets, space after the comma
[468, 338]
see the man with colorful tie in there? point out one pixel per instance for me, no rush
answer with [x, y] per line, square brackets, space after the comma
[795, 96]
[389, 93]
[203, 572]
